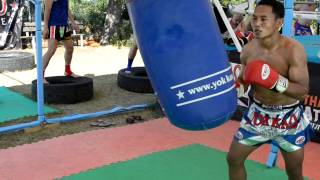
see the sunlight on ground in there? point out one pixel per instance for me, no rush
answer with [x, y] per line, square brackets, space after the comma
[87, 60]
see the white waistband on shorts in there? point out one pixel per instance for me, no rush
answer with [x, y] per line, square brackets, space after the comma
[288, 106]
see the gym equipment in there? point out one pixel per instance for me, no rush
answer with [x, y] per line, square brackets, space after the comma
[136, 81]
[16, 60]
[185, 60]
[65, 90]
[14, 105]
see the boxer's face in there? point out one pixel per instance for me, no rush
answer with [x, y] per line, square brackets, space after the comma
[264, 22]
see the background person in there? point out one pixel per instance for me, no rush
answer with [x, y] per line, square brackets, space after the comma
[131, 55]
[56, 16]
[302, 26]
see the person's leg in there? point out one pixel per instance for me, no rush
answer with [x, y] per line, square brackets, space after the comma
[132, 54]
[68, 46]
[236, 157]
[52, 47]
[294, 161]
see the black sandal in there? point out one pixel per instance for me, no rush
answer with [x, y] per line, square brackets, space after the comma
[138, 118]
[134, 119]
[102, 123]
[130, 120]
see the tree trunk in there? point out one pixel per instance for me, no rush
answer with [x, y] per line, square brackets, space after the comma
[113, 22]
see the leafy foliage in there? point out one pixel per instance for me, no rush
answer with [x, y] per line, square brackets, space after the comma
[117, 29]
[101, 18]
[91, 14]
[232, 2]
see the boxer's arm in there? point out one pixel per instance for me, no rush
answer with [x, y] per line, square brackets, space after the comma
[298, 74]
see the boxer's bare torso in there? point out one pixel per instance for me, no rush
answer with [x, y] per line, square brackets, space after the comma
[287, 57]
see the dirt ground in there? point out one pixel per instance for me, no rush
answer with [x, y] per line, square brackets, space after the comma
[101, 64]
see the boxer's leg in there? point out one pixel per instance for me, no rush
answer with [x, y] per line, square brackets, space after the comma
[236, 157]
[246, 140]
[292, 145]
[294, 161]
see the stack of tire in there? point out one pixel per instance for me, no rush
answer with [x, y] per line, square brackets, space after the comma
[16, 61]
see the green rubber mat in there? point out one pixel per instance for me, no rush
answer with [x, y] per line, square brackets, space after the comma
[14, 106]
[187, 163]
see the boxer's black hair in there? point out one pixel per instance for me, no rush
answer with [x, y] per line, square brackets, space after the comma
[277, 7]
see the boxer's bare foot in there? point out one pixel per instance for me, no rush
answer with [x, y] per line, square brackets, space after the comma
[45, 81]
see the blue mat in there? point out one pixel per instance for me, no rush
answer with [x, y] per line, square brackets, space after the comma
[15, 106]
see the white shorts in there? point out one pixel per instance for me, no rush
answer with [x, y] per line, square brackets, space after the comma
[284, 126]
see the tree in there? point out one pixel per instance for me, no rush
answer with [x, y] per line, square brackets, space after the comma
[116, 30]
[91, 14]
[111, 29]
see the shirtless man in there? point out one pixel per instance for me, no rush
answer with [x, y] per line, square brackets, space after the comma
[275, 66]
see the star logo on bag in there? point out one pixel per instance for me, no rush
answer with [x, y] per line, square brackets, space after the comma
[180, 95]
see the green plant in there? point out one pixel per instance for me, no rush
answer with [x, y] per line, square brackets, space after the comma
[91, 14]
[101, 18]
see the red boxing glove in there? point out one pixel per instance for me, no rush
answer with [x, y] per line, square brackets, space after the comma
[241, 37]
[249, 35]
[239, 34]
[260, 73]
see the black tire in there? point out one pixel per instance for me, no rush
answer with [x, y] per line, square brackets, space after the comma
[136, 81]
[65, 90]
[16, 61]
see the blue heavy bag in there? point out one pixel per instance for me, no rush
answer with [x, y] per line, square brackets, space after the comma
[184, 55]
